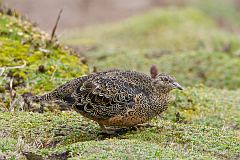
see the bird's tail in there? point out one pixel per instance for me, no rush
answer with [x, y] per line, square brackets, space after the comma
[42, 98]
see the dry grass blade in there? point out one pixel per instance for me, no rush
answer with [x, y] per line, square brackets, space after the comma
[2, 69]
[56, 24]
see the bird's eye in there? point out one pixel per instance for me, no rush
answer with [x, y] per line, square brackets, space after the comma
[165, 79]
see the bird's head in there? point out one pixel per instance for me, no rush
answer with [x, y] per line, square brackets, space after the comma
[165, 83]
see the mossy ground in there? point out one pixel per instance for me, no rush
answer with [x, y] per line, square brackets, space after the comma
[47, 64]
[207, 127]
[202, 122]
[48, 133]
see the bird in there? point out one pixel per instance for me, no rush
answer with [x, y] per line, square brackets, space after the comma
[116, 98]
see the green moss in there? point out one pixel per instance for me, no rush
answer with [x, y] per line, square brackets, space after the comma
[47, 128]
[125, 149]
[206, 106]
[62, 131]
[8, 148]
[192, 141]
[20, 43]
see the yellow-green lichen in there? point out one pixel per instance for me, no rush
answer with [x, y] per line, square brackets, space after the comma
[23, 49]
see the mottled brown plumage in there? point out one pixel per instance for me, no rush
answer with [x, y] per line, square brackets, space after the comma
[115, 97]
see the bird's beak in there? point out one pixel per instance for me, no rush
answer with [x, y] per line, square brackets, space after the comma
[178, 86]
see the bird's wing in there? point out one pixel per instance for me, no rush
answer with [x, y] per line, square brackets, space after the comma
[103, 97]
[63, 94]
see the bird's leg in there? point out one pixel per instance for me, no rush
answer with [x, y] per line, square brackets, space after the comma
[112, 130]
[102, 126]
[41, 109]
[145, 125]
[107, 130]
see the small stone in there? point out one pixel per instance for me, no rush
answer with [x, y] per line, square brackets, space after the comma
[41, 69]
[83, 60]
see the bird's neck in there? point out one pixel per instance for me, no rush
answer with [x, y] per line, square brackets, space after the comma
[160, 102]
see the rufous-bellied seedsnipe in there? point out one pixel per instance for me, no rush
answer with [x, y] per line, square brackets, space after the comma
[116, 97]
